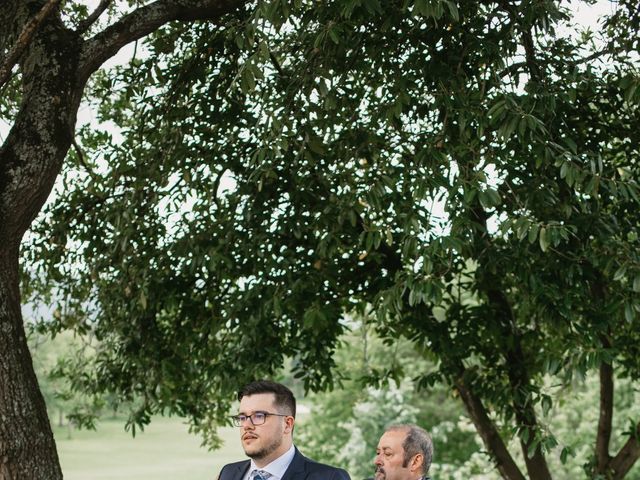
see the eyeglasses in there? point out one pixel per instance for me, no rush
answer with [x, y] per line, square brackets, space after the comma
[256, 418]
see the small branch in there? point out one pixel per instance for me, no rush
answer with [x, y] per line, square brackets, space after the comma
[596, 55]
[25, 37]
[626, 457]
[84, 25]
[82, 160]
[276, 64]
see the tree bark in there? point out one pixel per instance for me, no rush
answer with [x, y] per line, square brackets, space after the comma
[27, 448]
[30, 160]
[487, 430]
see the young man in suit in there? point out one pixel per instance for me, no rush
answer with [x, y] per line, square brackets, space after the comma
[266, 419]
[404, 452]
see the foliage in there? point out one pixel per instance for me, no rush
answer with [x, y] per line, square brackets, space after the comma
[467, 171]
[347, 422]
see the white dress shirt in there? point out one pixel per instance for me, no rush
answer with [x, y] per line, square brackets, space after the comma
[276, 468]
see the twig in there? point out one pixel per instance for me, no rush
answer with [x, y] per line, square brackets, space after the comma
[84, 25]
[82, 160]
[24, 39]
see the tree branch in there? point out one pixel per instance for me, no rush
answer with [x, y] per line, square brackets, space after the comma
[606, 416]
[81, 159]
[515, 361]
[487, 430]
[25, 37]
[84, 25]
[144, 21]
[626, 457]
[527, 40]
[519, 379]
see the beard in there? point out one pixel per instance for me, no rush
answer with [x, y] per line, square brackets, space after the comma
[380, 474]
[265, 450]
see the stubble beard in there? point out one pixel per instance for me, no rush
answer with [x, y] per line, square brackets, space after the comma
[266, 450]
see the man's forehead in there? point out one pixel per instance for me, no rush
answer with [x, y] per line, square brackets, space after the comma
[258, 400]
[392, 439]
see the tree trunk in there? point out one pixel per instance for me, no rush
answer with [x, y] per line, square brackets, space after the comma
[30, 160]
[605, 419]
[27, 448]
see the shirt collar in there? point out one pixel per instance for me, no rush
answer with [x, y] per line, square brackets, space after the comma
[278, 466]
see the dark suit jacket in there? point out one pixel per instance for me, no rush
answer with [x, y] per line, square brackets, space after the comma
[301, 468]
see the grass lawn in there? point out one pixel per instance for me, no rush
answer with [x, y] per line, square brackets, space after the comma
[165, 450]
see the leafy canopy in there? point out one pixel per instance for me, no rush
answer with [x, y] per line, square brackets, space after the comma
[467, 170]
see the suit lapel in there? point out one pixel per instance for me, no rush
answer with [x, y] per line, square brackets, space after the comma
[242, 470]
[296, 470]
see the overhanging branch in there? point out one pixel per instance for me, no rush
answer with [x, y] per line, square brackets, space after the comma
[142, 22]
[25, 37]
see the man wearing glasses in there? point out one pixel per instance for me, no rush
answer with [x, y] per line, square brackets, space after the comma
[266, 419]
[404, 452]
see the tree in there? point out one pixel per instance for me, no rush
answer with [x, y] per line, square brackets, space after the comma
[55, 57]
[467, 171]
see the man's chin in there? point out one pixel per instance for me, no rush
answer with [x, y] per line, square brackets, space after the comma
[379, 476]
[255, 454]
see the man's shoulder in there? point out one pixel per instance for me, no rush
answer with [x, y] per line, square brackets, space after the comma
[233, 470]
[321, 468]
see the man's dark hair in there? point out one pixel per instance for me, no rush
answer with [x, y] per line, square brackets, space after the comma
[416, 441]
[284, 397]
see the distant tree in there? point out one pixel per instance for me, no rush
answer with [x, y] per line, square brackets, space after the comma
[52, 361]
[466, 170]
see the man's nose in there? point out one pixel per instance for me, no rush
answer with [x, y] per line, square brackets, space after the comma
[247, 424]
[377, 460]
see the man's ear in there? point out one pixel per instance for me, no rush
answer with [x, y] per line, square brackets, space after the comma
[289, 422]
[416, 463]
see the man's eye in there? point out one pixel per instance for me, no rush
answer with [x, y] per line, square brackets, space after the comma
[241, 418]
[259, 416]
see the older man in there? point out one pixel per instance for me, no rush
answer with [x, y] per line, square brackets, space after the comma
[404, 453]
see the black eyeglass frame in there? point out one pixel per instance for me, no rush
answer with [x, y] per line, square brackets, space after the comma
[238, 420]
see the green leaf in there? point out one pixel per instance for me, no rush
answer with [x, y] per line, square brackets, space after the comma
[620, 273]
[544, 239]
[629, 313]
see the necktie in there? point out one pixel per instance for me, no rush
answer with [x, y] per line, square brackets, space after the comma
[260, 475]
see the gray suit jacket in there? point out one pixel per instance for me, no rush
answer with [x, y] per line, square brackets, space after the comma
[301, 468]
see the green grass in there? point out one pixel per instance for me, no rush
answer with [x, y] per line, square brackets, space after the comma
[165, 450]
